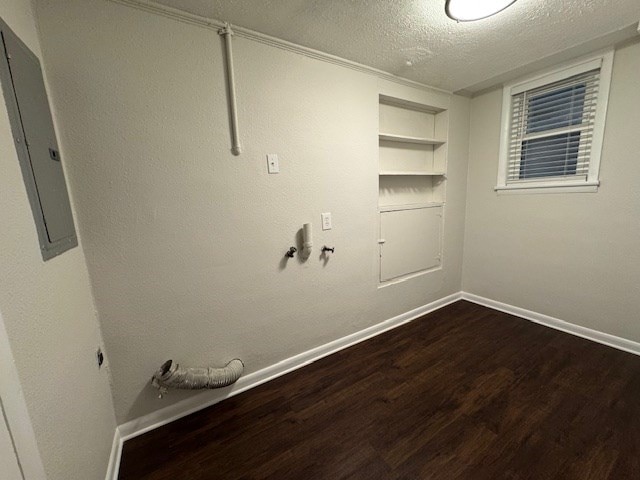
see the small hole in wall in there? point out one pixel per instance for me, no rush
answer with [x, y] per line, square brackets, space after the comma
[99, 357]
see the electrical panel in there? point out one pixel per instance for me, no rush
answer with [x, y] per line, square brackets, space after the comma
[36, 145]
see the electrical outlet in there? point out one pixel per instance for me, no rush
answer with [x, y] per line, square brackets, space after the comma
[326, 221]
[99, 357]
[273, 165]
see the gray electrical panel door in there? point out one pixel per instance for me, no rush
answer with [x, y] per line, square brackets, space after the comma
[35, 141]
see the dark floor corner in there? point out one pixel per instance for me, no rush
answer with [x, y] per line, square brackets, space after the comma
[463, 393]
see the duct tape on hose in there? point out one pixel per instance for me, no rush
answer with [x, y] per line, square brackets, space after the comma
[172, 375]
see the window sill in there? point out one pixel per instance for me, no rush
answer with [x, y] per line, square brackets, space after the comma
[548, 187]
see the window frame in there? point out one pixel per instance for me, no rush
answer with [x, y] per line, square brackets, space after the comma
[603, 61]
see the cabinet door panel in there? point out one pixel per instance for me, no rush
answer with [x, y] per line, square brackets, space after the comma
[412, 241]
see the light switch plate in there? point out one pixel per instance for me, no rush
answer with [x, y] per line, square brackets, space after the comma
[326, 221]
[272, 163]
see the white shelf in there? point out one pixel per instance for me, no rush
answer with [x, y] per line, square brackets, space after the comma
[411, 206]
[408, 173]
[402, 103]
[389, 137]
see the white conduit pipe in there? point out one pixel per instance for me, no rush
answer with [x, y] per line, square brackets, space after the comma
[172, 375]
[307, 239]
[227, 33]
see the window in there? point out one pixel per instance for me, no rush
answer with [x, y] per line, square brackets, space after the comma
[553, 126]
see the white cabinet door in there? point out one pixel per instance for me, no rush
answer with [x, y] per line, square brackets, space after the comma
[8, 461]
[412, 241]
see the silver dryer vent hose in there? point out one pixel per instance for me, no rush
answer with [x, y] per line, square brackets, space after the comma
[172, 375]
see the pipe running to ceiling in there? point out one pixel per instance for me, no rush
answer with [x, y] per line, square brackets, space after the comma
[227, 35]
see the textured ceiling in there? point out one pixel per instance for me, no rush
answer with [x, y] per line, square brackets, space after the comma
[387, 34]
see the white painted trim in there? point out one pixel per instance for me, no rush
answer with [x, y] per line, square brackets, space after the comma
[560, 71]
[408, 276]
[113, 469]
[8, 455]
[600, 120]
[602, 59]
[594, 335]
[558, 74]
[505, 135]
[549, 187]
[207, 398]
[213, 24]
[17, 414]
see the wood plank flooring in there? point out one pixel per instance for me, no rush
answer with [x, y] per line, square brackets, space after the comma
[463, 393]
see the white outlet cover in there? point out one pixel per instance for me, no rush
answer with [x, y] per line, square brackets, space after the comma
[326, 221]
[273, 166]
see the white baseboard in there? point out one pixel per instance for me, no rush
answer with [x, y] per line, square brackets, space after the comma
[207, 398]
[584, 332]
[114, 459]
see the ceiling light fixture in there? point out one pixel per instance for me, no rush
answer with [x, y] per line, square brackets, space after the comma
[470, 10]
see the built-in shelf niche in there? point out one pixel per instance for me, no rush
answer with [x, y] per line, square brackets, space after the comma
[410, 189]
[412, 139]
[412, 142]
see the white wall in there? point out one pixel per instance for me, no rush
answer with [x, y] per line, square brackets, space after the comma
[184, 241]
[50, 319]
[571, 256]
[8, 459]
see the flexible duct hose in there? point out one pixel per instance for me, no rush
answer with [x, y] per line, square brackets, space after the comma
[172, 375]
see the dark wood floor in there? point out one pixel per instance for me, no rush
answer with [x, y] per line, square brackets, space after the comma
[463, 393]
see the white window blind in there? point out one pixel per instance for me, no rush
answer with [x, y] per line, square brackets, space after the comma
[551, 130]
